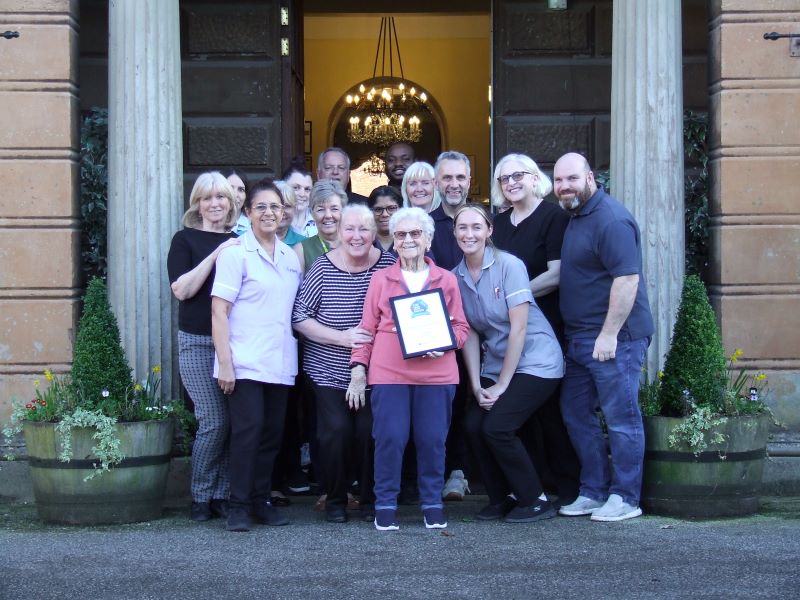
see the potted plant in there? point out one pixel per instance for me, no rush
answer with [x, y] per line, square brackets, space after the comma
[98, 443]
[706, 423]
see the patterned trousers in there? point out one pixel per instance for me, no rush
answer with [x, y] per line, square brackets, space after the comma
[210, 453]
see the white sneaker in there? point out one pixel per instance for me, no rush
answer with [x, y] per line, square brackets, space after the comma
[616, 510]
[581, 506]
[456, 487]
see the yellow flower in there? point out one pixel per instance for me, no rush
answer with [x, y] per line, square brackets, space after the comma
[660, 375]
[737, 354]
[157, 369]
[36, 383]
[48, 374]
[138, 387]
[761, 377]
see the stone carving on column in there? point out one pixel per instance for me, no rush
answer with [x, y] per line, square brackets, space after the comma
[145, 178]
[647, 148]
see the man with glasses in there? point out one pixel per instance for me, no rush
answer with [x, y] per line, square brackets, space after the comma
[608, 326]
[334, 164]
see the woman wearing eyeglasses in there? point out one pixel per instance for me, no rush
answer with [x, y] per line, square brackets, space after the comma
[256, 353]
[408, 395]
[533, 230]
[326, 203]
[384, 201]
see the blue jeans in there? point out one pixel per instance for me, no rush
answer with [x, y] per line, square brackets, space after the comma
[613, 387]
[395, 408]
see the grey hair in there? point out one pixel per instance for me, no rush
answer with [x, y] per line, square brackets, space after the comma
[363, 213]
[543, 186]
[287, 192]
[415, 170]
[413, 213]
[323, 191]
[332, 149]
[452, 155]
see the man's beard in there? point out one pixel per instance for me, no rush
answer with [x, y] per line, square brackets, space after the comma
[574, 204]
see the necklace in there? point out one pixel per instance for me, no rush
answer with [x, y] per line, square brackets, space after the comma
[363, 273]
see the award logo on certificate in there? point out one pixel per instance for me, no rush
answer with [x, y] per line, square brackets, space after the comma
[423, 323]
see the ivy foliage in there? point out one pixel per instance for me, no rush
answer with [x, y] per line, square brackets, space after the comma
[695, 371]
[94, 192]
[100, 374]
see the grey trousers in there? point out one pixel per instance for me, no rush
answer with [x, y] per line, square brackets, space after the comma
[210, 453]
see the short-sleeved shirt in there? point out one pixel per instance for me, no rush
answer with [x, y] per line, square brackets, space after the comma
[503, 285]
[188, 249]
[602, 242]
[262, 290]
[536, 240]
[335, 299]
[444, 248]
[292, 237]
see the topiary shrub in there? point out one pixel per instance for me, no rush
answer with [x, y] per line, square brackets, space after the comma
[101, 376]
[695, 371]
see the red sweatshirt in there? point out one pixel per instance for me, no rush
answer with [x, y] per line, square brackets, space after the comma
[383, 355]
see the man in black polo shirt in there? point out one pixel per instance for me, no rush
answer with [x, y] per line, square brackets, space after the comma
[334, 164]
[608, 326]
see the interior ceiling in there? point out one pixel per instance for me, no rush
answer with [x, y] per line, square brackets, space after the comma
[384, 7]
[409, 26]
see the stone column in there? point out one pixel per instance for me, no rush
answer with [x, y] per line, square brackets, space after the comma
[145, 178]
[647, 148]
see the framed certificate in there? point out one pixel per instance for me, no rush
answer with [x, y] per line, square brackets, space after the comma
[423, 323]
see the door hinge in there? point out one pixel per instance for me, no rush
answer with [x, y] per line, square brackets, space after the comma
[284, 46]
[284, 15]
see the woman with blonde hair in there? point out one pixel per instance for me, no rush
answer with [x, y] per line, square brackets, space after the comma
[190, 264]
[419, 187]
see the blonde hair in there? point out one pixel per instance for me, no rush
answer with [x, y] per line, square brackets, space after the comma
[415, 170]
[543, 184]
[287, 193]
[205, 185]
[363, 213]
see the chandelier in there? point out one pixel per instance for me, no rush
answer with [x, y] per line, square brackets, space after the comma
[385, 107]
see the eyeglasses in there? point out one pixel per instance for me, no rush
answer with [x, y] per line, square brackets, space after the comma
[415, 234]
[516, 176]
[389, 210]
[260, 209]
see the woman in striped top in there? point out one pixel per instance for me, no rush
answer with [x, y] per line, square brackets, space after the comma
[327, 312]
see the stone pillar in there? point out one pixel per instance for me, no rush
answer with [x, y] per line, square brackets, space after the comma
[647, 148]
[145, 178]
[755, 213]
[39, 229]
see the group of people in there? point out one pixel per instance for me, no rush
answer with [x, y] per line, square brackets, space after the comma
[546, 304]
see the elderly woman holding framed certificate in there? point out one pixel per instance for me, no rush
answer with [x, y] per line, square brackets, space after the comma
[413, 313]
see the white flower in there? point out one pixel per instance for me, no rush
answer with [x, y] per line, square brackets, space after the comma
[105, 393]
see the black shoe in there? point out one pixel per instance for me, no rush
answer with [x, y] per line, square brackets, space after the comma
[492, 512]
[541, 509]
[366, 512]
[238, 520]
[219, 508]
[280, 501]
[336, 514]
[266, 514]
[200, 511]
[299, 484]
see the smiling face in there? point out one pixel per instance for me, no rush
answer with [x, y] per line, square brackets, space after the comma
[327, 215]
[453, 182]
[472, 232]
[398, 157]
[515, 191]
[266, 212]
[420, 191]
[356, 236]
[301, 184]
[239, 191]
[573, 182]
[384, 208]
[213, 209]
[410, 240]
[334, 167]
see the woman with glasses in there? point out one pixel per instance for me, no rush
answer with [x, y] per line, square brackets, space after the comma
[419, 187]
[408, 395]
[384, 201]
[256, 352]
[190, 266]
[327, 200]
[533, 230]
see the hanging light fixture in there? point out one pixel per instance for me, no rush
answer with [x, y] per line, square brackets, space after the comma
[386, 108]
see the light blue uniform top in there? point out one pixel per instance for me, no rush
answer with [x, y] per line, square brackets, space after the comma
[503, 285]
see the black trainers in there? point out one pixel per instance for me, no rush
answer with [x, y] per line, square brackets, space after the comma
[266, 514]
[434, 518]
[219, 508]
[200, 511]
[386, 520]
[492, 512]
[541, 509]
[238, 520]
[335, 514]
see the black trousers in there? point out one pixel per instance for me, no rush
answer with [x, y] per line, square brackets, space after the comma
[346, 447]
[257, 411]
[492, 435]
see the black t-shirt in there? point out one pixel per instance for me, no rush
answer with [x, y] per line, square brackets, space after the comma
[535, 241]
[188, 249]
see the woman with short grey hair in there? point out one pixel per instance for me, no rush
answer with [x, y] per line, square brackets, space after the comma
[328, 198]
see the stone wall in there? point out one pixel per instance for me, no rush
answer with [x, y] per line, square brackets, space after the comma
[755, 150]
[39, 236]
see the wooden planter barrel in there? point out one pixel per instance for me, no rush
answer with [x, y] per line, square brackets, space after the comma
[131, 491]
[722, 481]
